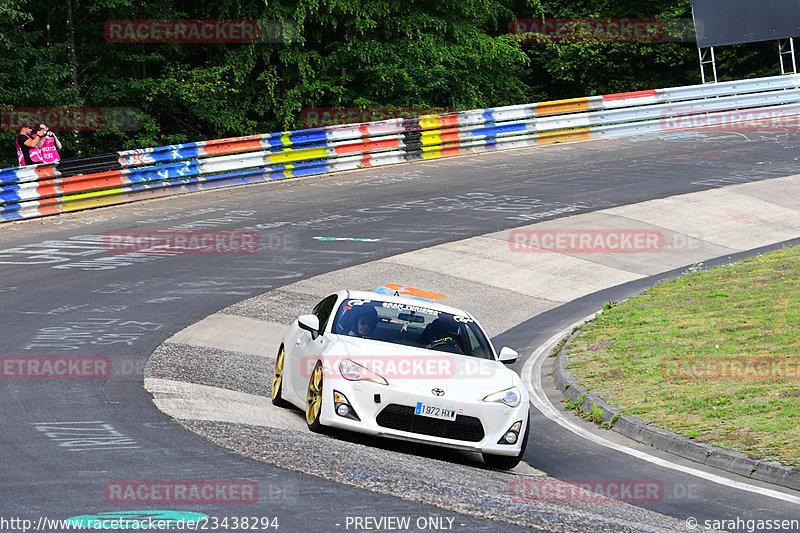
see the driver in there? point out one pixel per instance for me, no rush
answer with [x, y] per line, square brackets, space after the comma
[444, 334]
[363, 322]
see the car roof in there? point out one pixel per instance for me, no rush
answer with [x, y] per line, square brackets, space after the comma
[408, 300]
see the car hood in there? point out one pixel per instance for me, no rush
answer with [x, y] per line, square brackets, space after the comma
[418, 370]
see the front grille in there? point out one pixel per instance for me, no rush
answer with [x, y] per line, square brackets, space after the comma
[402, 418]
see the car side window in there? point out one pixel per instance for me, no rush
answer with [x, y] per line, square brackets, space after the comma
[323, 311]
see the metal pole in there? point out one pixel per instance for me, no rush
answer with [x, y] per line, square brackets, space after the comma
[702, 69]
[714, 64]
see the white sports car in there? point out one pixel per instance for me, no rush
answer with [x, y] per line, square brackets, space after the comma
[403, 368]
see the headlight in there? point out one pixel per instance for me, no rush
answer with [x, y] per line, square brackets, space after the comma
[511, 397]
[352, 371]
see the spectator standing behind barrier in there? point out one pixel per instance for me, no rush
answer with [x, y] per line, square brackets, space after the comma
[50, 145]
[28, 145]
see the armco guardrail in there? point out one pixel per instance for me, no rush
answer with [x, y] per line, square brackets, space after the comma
[82, 183]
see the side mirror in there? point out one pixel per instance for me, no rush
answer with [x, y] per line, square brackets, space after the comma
[309, 323]
[507, 355]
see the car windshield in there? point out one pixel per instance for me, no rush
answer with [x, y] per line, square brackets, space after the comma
[411, 325]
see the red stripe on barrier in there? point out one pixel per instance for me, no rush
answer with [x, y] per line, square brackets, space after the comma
[230, 147]
[366, 146]
[634, 94]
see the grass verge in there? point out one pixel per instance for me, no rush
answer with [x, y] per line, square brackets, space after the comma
[713, 355]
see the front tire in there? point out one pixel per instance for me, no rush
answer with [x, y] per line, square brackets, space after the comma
[507, 462]
[314, 399]
[277, 380]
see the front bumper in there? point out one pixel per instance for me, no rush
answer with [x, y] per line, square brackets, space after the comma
[479, 425]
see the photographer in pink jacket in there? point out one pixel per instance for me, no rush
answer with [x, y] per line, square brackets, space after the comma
[50, 145]
[29, 144]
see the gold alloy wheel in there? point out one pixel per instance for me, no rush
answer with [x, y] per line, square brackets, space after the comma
[276, 381]
[314, 398]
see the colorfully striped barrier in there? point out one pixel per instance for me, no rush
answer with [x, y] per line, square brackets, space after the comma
[82, 183]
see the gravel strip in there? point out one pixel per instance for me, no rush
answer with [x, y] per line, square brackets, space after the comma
[464, 488]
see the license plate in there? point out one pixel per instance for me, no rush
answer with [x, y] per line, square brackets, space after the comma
[434, 411]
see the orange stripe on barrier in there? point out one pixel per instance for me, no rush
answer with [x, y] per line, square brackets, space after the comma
[633, 94]
[452, 137]
[44, 172]
[448, 121]
[49, 206]
[90, 182]
[578, 134]
[366, 146]
[562, 106]
[48, 188]
[233, 147]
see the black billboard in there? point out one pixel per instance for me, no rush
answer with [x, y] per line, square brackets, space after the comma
[721, 22]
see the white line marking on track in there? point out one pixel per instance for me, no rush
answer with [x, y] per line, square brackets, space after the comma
[540, 401]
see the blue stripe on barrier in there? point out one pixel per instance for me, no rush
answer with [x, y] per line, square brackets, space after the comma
[15, 175]
[491, 131]
[316, 135]
[164, 172]
[9, 194]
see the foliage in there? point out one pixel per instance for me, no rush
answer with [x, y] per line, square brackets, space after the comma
[345, 53]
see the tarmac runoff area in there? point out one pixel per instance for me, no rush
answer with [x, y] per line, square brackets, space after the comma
[214, 377]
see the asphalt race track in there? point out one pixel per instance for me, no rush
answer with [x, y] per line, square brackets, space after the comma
[66, 441]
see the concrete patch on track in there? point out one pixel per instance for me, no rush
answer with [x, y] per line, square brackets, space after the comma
[213, 332]
[181, 400]
[215, 376]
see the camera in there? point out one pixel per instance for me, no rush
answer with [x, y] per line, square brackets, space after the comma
[49, 133]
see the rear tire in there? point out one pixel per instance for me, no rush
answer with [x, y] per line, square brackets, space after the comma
[277, 380]
[507, 462]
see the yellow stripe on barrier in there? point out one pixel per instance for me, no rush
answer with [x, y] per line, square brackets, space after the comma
[298, 155]
[431, 138]
[92, 199]
[428, 122]
[94, 194]
[429, 153]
